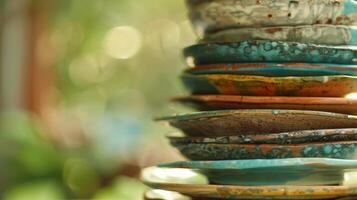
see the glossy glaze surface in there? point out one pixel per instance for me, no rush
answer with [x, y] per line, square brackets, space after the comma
[213, 15]
[296, 137]
[292, 171]
[275, 69]
[210, 151]
[224, 102]
[257, 122]
[267, 51]
[170, 180]
[306, 86]
[316, 34]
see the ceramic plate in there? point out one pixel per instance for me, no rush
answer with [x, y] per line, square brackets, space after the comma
[242, 192]
[213, 15]
[257, 122]
[317, 34]
[297, 137]
[224, 102]
[275, 69]
[177, 181]
[209, 151]
[291, 171]
[307, 86]
[269, 51]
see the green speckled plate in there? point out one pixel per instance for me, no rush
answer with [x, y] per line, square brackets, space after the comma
[306, 86]
[224, 102]
[296, 137]
[257, 122]
[268, 51]
[176, 181]
[209, 151]
[291, 171]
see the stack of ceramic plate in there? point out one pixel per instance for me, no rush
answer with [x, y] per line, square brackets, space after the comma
[271, 79]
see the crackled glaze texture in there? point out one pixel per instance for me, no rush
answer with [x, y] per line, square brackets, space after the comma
[204, 151]
[317, 34]
[224, 102]
[266, 51]
[257, 122]
[213, 15]
[306, 86]
[259, 192]
[275, 69]
[291, 171]
[296, 137]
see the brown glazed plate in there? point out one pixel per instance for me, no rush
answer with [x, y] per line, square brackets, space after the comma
[169, 180]
[257, 122]
[296, 137]
[215, 192]
[211, 151]
[224, 102]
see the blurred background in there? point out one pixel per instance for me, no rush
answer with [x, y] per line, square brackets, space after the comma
[80, 82]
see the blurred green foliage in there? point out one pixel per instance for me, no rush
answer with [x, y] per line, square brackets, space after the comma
[109, 101]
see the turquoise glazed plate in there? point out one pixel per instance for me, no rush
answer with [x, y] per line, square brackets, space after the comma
[162, 179]
[302, 86]
[291, 171]
[315, 34]
[211, 151]
[225, 102]
[257, 122]
[213, 15]
[296, 137]
[275, 69]
[269, 51]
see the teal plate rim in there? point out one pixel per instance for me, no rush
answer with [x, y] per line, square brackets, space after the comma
[262, 163]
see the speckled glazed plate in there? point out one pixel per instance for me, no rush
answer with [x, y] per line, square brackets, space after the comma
[257, 122]
[291, 171]
[316, 34]
[209, 151]
[224, 102]
[306, 86]
[176, 180]
[275, 69]
[219, 192]
[213, 15]
[295, 137]
[269, 51]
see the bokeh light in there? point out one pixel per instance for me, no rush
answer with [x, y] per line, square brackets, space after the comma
[351, 96]
[123, 42]
[84, 70]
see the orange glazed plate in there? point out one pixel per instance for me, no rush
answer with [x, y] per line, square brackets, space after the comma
[309, 86]
[224, 102]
